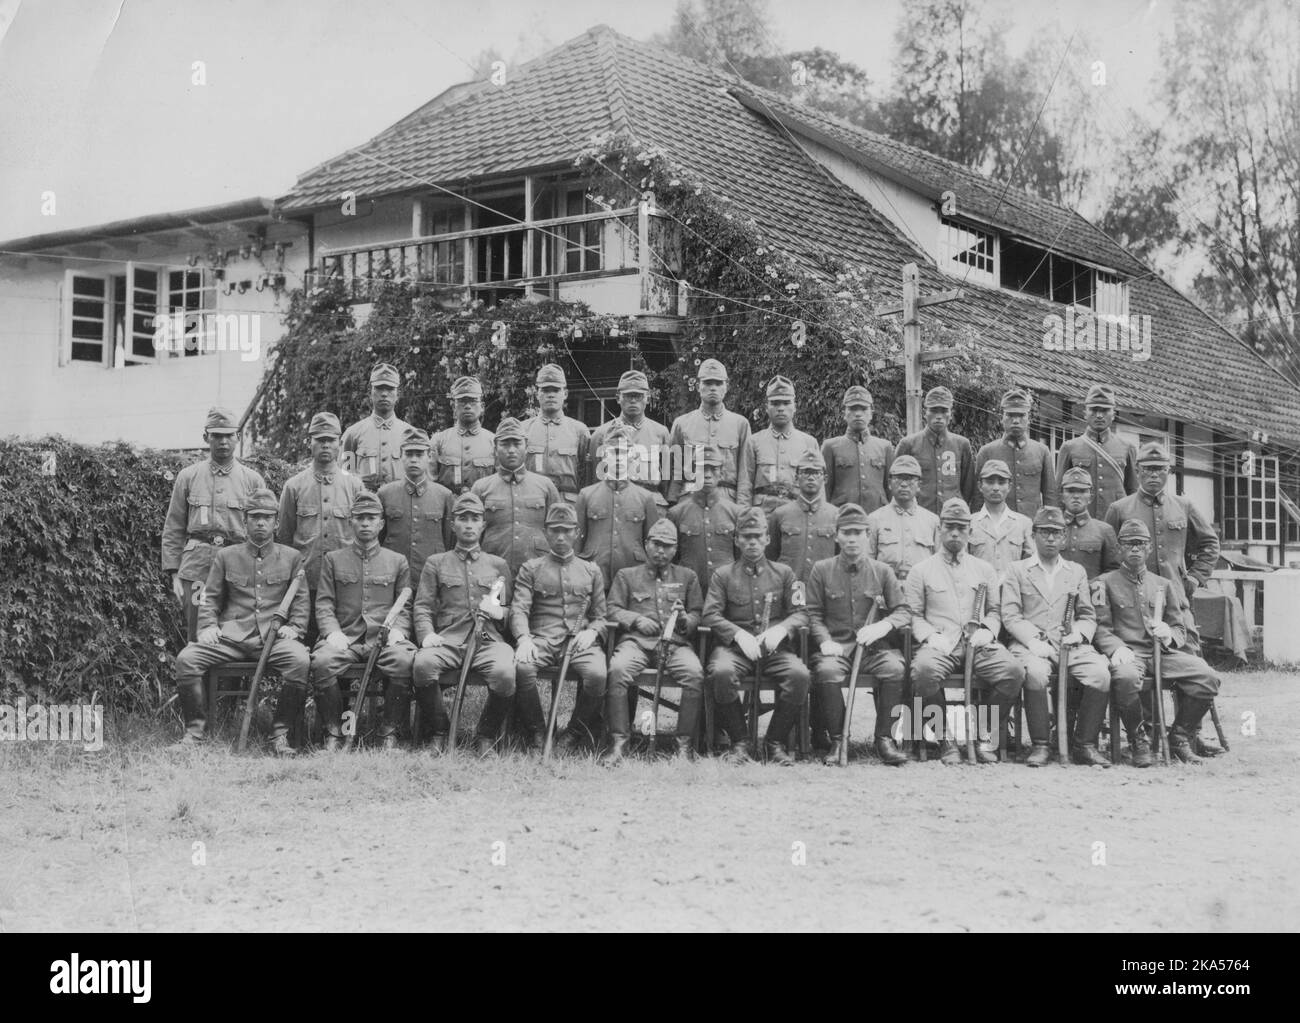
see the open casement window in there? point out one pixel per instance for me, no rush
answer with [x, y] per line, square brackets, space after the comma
[191, 302]
[87, 318]
[1250, 503]
[581, 242]
[968, 253]
[112, 318]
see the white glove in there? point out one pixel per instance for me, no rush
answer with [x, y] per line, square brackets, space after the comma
[1041, 648]
[337, 641]
[178, 588]
[1122, 656]
[525, 652]
[211, 636]
[430, 641]
[831, 649]
[772, 638]
[287, 632]
[874, 632]
[1163, 632]
[748, 644]
[981, 637]
[491, 608]
[1075, 638]
[583, 640]
[941, 643]
[396, 637]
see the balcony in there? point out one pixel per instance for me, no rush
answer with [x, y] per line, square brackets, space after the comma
[618, 261]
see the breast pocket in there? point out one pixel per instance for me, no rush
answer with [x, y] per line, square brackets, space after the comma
[846, 464]
[825, 532]
[237, 580]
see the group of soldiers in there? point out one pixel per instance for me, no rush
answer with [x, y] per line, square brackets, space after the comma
[532, 545]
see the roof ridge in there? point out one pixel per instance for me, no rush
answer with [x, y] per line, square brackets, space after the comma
[607, 50]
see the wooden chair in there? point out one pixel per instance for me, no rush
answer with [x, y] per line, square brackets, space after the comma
[753, 703]
[233, 679]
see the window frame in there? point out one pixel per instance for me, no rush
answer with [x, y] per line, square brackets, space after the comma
[1260, 498]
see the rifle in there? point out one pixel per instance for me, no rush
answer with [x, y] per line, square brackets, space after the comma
[555, 697]
[969, 629]
[380, 641]
[872, 613]
[1157, 615]
[471, 648]
[278, 618]
[670, 627]
[1062, 682]
[765, 622]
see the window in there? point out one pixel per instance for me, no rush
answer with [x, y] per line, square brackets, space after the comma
[112, 319]
[86, 318]
[581, 242]
[597, 407]
[1111, 296]
[1250, 503]
[447, 259]
[968, 252]
[191, 300]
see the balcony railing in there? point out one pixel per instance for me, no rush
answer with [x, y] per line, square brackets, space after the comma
[544, 258]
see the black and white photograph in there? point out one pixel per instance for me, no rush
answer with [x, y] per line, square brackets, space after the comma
[693, 466]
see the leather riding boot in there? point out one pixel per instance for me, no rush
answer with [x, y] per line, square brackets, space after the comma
[1187, 726]
[397, 711]
[1088, 755]
[778, 754]
[987, 753]
[618, 711]
[1138, 743]
[1092, 712]
[832, 755]
[531, 717]
[822, 734]
[784, 718]
[492, 718]
[1036, 714]
[287, 708]
[889, 753]
[190, 696]
[1039, 755]
[583, 723]
[949, 754]
[688, 714]
[614, 755]
[329, 710]
[434, 722]
[738, 753]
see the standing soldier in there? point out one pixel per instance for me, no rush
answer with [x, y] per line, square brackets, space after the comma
[902, 533]
[706, 522]
[316, 504]
[1034, 595]
[743, 597]
[998, 534]
[1088, 541]
[641, 601]
[1110, 460]
[515, 501]
[614, 517]
[358, 585]
[803, 529]
[711, 424]
[941, 593]
[557, 445]
[463, 454]
[244, 589]
[206, 512]
[857, 464]
[647, 440]
[1033, 479]
[767, 470]
[841, 591]
[453, 585]
[1125, 633]
[947, 464]
[417, 511]
[558, 596]
[372, 446]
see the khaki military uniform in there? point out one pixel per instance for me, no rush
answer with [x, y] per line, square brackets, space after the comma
[1033, 481]
[557, 449]
[947, 468]
[802, 533]
[515, 506]
[1091, 543]
[1112, 465]
[857, 469]
[647, 446]
[727, 431]
[315, 516]
[460, 458]
[614, 520]
[902, 538]
[372, 450]
[767, 475]
[417, 520]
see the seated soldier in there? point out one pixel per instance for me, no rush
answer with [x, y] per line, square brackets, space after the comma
[941, 592]
[453, 586]
[558, 596]
[641, 601]
[358, 585]
[751, 610]
[1034, 595]
[1124, 600]
[246, 585]
[841, 592]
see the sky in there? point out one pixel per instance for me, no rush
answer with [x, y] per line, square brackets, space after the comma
[99, 104]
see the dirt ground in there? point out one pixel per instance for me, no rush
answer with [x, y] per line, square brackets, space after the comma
[134, 839]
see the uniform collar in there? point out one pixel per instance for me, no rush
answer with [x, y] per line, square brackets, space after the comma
[759, 565]
[563, 560]
[468, 553]
[953, 559]
[851, 565]
[614, 484]
[900, 510]
[322, 477]
[1018, 445]
[807, 505]
[1034, 559]
[785, 434]
[554, 420]
[220, 470]
[365, 553]
[264, 550]
[417, 489]
[1100, 438]
[511, 475]
[931, 438]
[1152, 499]
[659, 573]
[473, 431]
[706, 500]
[1077, 520]
[629, 424]
[866, 436]
[383, 424]
[714, 416]
[1137, 576]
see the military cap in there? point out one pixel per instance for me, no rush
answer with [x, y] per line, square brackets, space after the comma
[325, 424]
[712, 369]
[995, 467]
[905, 465]
[858, 395]
[1152, 453]
[710, 455]
[466, 387]
[414, 437]
[955, 510]
[468, 503]
[551, 375]
[1099, 394]
[1076, 478]
[938, 397]
[261, 501]
[1049, 517]
[1134, 529]
[664, 531]
[562, 514]
[850, 515]
[810, 460]
[366, 503]
[384, 375]
[780, 387]
[509, 429]
[220, 420]
[1016, 400]
[633, 380]
[751, 519]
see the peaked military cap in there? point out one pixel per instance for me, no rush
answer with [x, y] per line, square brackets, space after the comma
[712, 369]
[751, 519]
[562, 514]
[851, 515]
[1016, 400]
[1099, 395]
[780, 387]
[633, 380]
[262, 501]
[664, 531]
[858, 395]
[551, 375]
[509, 428]
[384, 375]
[1049, 517]
[905, 465]
[810, 460]
[938, 397]
[1076, 478]
[466, 387]
[220, 420]
[1134, 529]
[955, 510]
[1152, 453]
[325, 424]
[995, 467]
[366, 503]
[468, 503]
[414, 437]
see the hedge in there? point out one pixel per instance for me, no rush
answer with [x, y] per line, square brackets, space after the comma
[85, 606]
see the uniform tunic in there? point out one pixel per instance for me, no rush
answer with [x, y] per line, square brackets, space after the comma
[856, 470]
[358, 586]
[515, 506]
[947, 468]
[767, 472]
[316, 515]
[555, 598]
[451, 585]
[1033, 607]
[725, 430]
[460, 458]
[902, 537]
[1179, 534]
[648, 448]
[1114, 473]
[1033, 480]
[372, 449]
[1003, 542]
[557, 449]
[417, 520]
[706, 532]
[1091, 543]
[802, 533]
[614, 520]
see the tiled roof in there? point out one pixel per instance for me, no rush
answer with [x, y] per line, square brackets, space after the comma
[601, 81]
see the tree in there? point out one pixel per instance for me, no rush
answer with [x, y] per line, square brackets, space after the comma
[730, 34]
